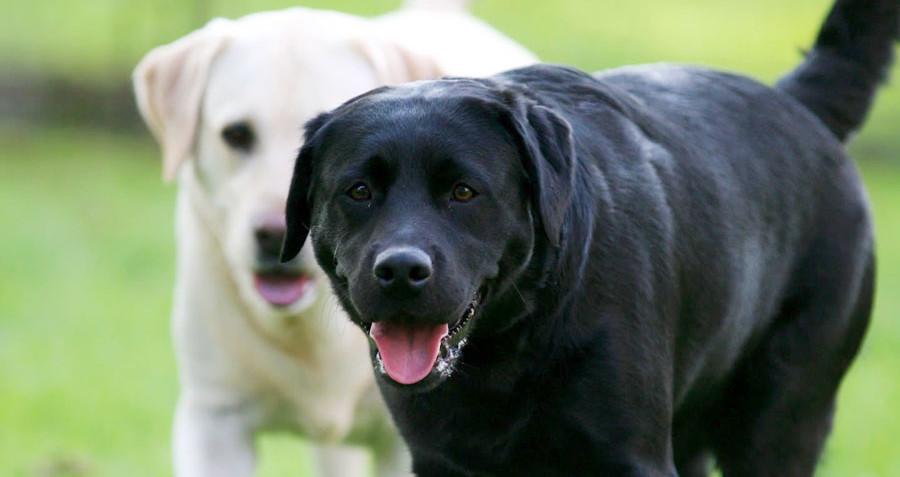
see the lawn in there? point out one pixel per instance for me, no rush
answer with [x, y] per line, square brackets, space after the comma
[87, 378]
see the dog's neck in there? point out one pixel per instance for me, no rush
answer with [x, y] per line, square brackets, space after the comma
[532, 314]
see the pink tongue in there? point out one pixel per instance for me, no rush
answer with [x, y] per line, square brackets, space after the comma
[408, 351]
[282, 291]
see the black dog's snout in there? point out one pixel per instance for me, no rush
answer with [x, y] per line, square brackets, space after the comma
[268, 241]
[402, 269]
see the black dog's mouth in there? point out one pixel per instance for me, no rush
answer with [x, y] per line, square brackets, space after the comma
[421, 353]
[467, 316]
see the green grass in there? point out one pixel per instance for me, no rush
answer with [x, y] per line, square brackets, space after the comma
[86, 265]
[87, 378]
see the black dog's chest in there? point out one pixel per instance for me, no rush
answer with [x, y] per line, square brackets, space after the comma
[530, 432]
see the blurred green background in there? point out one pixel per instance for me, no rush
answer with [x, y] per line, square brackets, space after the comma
[87, 377]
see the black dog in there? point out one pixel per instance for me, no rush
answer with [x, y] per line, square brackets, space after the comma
[620, 274]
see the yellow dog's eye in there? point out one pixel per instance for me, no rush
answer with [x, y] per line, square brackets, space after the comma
[360, 192]
[463, 193]
[238, 135]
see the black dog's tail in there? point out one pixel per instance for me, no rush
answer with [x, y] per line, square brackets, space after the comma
[851, 58]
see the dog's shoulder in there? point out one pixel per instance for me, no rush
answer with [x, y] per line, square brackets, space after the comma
[684, 92]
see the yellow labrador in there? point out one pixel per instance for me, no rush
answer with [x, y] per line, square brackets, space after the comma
[260, 345]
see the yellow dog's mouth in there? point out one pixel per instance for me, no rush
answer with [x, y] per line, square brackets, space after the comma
[282, 289]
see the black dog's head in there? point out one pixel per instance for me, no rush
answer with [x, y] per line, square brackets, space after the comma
[424, 202]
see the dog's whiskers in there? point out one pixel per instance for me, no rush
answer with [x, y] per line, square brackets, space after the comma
[521, 297]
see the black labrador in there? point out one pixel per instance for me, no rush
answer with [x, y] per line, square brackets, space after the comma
[623, 274]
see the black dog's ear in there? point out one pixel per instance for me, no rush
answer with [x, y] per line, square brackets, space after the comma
[546, 141]
[298, 210]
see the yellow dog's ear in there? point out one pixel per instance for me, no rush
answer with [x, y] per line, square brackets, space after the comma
[168, 85]
[394, 63]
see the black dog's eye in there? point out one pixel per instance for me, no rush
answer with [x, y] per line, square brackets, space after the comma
[463, 193]
[360, 192]
[238, 135]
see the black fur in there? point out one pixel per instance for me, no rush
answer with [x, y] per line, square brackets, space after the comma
[675, 264]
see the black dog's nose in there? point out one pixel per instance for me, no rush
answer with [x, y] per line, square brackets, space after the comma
[268, 241]
[402, 269]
